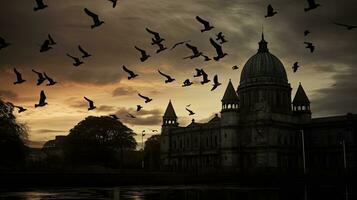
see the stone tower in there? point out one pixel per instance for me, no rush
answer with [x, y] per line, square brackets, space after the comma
[169, 122]
[301, 105]
[229, 123]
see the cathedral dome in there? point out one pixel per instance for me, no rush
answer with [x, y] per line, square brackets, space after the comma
[263, 66]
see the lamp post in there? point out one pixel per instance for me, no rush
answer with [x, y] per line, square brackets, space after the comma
[142, 148]
[343, 143]
[303, 159]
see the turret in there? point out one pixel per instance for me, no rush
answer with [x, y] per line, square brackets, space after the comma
[229, 123]
[301, 104]
[169, 121]
[230, 106]
[170, 117]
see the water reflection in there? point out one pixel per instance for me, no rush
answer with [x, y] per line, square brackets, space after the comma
[227, 192]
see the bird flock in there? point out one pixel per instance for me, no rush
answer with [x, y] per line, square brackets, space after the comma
[157, 41]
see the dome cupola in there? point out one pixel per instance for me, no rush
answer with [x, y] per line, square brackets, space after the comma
[263, 66]
[264, 82]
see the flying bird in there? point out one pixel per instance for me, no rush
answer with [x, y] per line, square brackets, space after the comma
[90, 104]
[45, 46]
[85, 53]
[40, 77]
[157, 39]
[114, 117]
[19, 78]
[221, 38]
[179, 43]
[138, 108]
[194, 50]
[235, 67]
[147, 99]
[310, 46]
[270, 11]
[77, 61]
[97, 22]
[50, 80]
[20, 109]
[131, 73]
[42, 102]
[206, 58]
[205, 23]
[295, 67]
[169, 79]
[307, 32]
[312, 5]
[219, 50]
[187, 83]
[205, 77]
[3, 43]
[198, 72]
[188, 105]
[215, 83]
[114, 2]
[161, 47]
[52, 42]
[190, 112]
[348, 27]
[40, 5]
[144, 55]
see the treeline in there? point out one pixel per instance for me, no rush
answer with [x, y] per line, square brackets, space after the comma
[95, 143]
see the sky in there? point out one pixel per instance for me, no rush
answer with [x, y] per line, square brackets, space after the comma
[327, 75]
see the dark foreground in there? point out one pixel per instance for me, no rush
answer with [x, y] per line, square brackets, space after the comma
[109, 179]
[185, 192]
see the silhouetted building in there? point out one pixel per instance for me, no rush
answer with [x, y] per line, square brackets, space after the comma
[260, 129]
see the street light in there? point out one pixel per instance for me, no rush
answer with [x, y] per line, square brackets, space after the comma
[303, 159]
[343, 143]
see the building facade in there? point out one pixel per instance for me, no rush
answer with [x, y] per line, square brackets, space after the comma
[260, 129]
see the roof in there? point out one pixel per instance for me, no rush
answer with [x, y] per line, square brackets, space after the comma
[263, 66]
[301, 97]
[230, 94]
[170, 112]
[215, 119]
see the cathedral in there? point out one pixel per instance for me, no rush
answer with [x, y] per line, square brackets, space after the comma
[261, 129]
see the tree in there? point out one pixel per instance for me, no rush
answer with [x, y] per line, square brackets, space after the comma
[12, 136]
[98, 140]
[152, 152]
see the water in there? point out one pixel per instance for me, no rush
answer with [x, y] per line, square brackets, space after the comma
[197, 192]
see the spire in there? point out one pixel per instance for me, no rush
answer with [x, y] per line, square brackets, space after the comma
[170, 112]
[230, 94]
[301, 97]
[263, 45]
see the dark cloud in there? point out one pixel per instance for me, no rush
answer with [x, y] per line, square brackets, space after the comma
[339, 98]
[45, 131]
[8, 95]
[124, 91]
[143, 117]
[105, 108]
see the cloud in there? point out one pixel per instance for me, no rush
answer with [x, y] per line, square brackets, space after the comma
[105, 108]
[45, 131]
[8, 95]
[338, 98]
[124, 91]
[143, 117]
